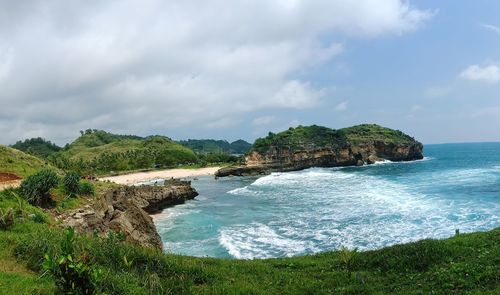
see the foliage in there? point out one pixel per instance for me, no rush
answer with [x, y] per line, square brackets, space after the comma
[10, 200]
[36, 188]
[37, 146]
[100, 152]
[205, 146]
[6, 218]
[219, 158]
[20, 163]
[71, 183]
[301, 137]
[373, 132]
[86, 188]
[347, 257]
[72, 275]
[318, 137]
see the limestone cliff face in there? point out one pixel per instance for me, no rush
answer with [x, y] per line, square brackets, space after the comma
[127, 210]
[283, 159]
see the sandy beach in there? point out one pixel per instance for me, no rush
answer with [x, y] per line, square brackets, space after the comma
[133, 178]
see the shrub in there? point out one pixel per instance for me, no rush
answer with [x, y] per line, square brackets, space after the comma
[6, 218]
[71, 182]
[347, 257]
[36, 188]
[86, 188]
[72, 275]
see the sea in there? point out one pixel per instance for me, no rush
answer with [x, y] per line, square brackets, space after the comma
[455, 187]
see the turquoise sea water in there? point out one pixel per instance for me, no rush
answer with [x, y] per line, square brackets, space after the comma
[456, 186]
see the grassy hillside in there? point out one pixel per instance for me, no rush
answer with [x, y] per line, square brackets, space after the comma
[20, 163]
[37, 146]
[204, 146]
[98, 151]
[465, 264]
[371, 132]
[311, 137]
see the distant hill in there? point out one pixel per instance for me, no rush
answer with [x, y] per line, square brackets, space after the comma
[98, 151]
[317, 137]
[37, 146]
[204, 146]
[20, 163]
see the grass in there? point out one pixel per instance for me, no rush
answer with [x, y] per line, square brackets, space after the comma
[99, 152]
[465, 264]
[19, 163]
[317, 137]
[373, 132]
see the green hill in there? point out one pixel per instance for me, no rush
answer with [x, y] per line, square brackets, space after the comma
[37, 146]
[97, 151]
[20, 163]
[311, 137]
[204, 146]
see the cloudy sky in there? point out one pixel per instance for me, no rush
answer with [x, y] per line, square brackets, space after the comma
[238, 69]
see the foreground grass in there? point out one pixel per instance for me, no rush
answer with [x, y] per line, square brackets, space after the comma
[465, 264]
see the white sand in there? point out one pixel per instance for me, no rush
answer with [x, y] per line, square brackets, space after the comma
[134, 178]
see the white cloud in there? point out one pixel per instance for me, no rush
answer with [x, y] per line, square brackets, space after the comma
[341, 106]
[492, 28]
[264, 120]
[488, 74]
[131, 66]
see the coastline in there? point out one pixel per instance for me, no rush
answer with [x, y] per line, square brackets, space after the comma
[134, 178]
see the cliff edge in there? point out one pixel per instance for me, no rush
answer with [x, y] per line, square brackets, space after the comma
[126, 210]
[316, 146]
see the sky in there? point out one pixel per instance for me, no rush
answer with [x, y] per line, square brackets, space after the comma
[239, 69]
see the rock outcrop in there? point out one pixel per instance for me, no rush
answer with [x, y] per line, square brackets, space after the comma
[344, 149]
[126, 210]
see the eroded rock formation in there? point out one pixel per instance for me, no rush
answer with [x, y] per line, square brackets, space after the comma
[127, 210]
[279, 156]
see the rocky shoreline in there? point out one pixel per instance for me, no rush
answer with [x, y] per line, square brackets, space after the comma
[127, 210]
[284, 160]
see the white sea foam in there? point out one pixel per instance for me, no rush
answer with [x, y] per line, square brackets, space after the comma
[257, 240]
[335, 208]
[319, 209]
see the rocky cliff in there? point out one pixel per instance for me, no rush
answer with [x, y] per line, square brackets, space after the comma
[315, 146]
[126, 210]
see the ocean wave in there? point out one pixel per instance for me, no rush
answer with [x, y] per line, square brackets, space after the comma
[257, 240]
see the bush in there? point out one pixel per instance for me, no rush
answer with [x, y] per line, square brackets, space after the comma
[6, 218]
[36, 188]
[72, 275]
[86, 188]
[71, 182]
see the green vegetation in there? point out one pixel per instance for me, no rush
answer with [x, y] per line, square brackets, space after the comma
[71, 182]
[465, 264]
[205, 146]
[36, 188]
[315, 137]
[309, 137]
[373, 132]
[37, 146]
[100, 152]
[20, 163]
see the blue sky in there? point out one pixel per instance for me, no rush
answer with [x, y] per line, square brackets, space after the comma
[239, 70]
